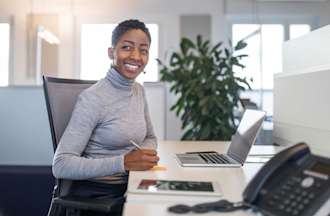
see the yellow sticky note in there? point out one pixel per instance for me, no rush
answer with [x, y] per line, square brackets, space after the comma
[158, 168]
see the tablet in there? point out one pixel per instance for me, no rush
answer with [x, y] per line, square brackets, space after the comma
[175, 187]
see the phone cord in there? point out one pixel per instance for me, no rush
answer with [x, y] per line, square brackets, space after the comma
[218, 206]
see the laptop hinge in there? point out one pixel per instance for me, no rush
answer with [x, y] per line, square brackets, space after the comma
[235, 157]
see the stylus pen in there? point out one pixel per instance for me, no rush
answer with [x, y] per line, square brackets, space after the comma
[136, 145]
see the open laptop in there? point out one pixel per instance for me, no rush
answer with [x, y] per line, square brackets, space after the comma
[239, 148]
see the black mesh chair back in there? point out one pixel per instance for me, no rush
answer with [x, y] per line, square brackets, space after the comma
[61, 96]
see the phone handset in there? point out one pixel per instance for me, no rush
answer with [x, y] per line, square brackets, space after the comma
[256, 184]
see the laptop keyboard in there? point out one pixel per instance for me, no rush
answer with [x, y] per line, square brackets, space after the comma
[214, 158]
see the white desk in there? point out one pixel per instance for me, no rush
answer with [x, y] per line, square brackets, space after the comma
[232, 180]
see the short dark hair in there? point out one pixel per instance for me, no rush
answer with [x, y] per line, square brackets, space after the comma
[127, 25]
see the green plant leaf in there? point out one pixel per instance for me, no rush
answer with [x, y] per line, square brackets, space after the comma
[227, 52]
[199, 41]
[216, 48]
[175, 60]
[202, 78]
[188, 135]
[240, 45]
[241, 56]
[185, 45]
[239, 65]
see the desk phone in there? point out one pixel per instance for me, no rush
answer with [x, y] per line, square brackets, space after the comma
[293, 182]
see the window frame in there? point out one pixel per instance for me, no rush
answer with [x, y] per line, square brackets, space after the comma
[9, 20]
[286, 21]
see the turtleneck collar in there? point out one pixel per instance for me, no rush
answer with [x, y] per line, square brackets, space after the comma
[118, 81]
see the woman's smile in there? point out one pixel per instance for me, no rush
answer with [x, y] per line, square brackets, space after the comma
[132, 67]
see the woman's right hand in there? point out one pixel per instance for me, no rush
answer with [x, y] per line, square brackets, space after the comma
[139, 160]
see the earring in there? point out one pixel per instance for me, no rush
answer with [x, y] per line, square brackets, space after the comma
[144, 72]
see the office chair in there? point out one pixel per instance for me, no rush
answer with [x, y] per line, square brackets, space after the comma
[61, 96]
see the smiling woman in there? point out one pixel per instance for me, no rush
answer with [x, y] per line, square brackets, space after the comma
[107, 117]
[94, 43]
[130, 53]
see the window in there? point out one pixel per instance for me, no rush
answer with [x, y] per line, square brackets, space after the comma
[95, 40]
[297, 30]
[4, 53]
[264, 50]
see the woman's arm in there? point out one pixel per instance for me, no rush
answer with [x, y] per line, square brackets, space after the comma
[68, 162]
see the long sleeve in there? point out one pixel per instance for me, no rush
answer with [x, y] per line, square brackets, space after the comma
[68, 161]
[150, 139]
[106, 117]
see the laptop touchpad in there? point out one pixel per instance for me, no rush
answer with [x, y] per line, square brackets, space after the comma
[190, 159]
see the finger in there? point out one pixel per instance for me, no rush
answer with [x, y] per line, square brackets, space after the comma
[150, 165]
[153, 159]
[148, 158]
[143, 166]
[134, 152]
[149, 151]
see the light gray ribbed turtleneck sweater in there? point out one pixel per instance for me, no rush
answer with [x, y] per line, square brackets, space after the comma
[106, 116]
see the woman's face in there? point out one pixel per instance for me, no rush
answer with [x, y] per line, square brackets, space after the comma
[131, 53]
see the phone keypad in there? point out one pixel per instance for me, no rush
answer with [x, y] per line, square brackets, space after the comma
[294, 195]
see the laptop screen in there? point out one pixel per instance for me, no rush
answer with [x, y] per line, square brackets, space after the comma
[246, 134]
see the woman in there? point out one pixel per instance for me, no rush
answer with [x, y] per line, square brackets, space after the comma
[96, 142]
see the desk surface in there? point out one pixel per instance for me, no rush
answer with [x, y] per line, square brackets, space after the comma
[232, 180]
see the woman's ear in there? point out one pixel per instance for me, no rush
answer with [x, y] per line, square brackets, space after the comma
[110, 53]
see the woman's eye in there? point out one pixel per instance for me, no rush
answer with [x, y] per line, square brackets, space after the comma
[145, 51]
[126, 47]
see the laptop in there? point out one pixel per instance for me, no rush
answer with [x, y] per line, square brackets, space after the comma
[238, 150]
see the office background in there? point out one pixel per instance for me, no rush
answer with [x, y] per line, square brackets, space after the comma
[24, 130]
[213, 19]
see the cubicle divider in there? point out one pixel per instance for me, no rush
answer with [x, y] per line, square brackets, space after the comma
[301, 92]
[24, 128]
[26, 180]
[25, 190]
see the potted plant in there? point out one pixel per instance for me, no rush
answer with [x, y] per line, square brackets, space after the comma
[204, 80]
